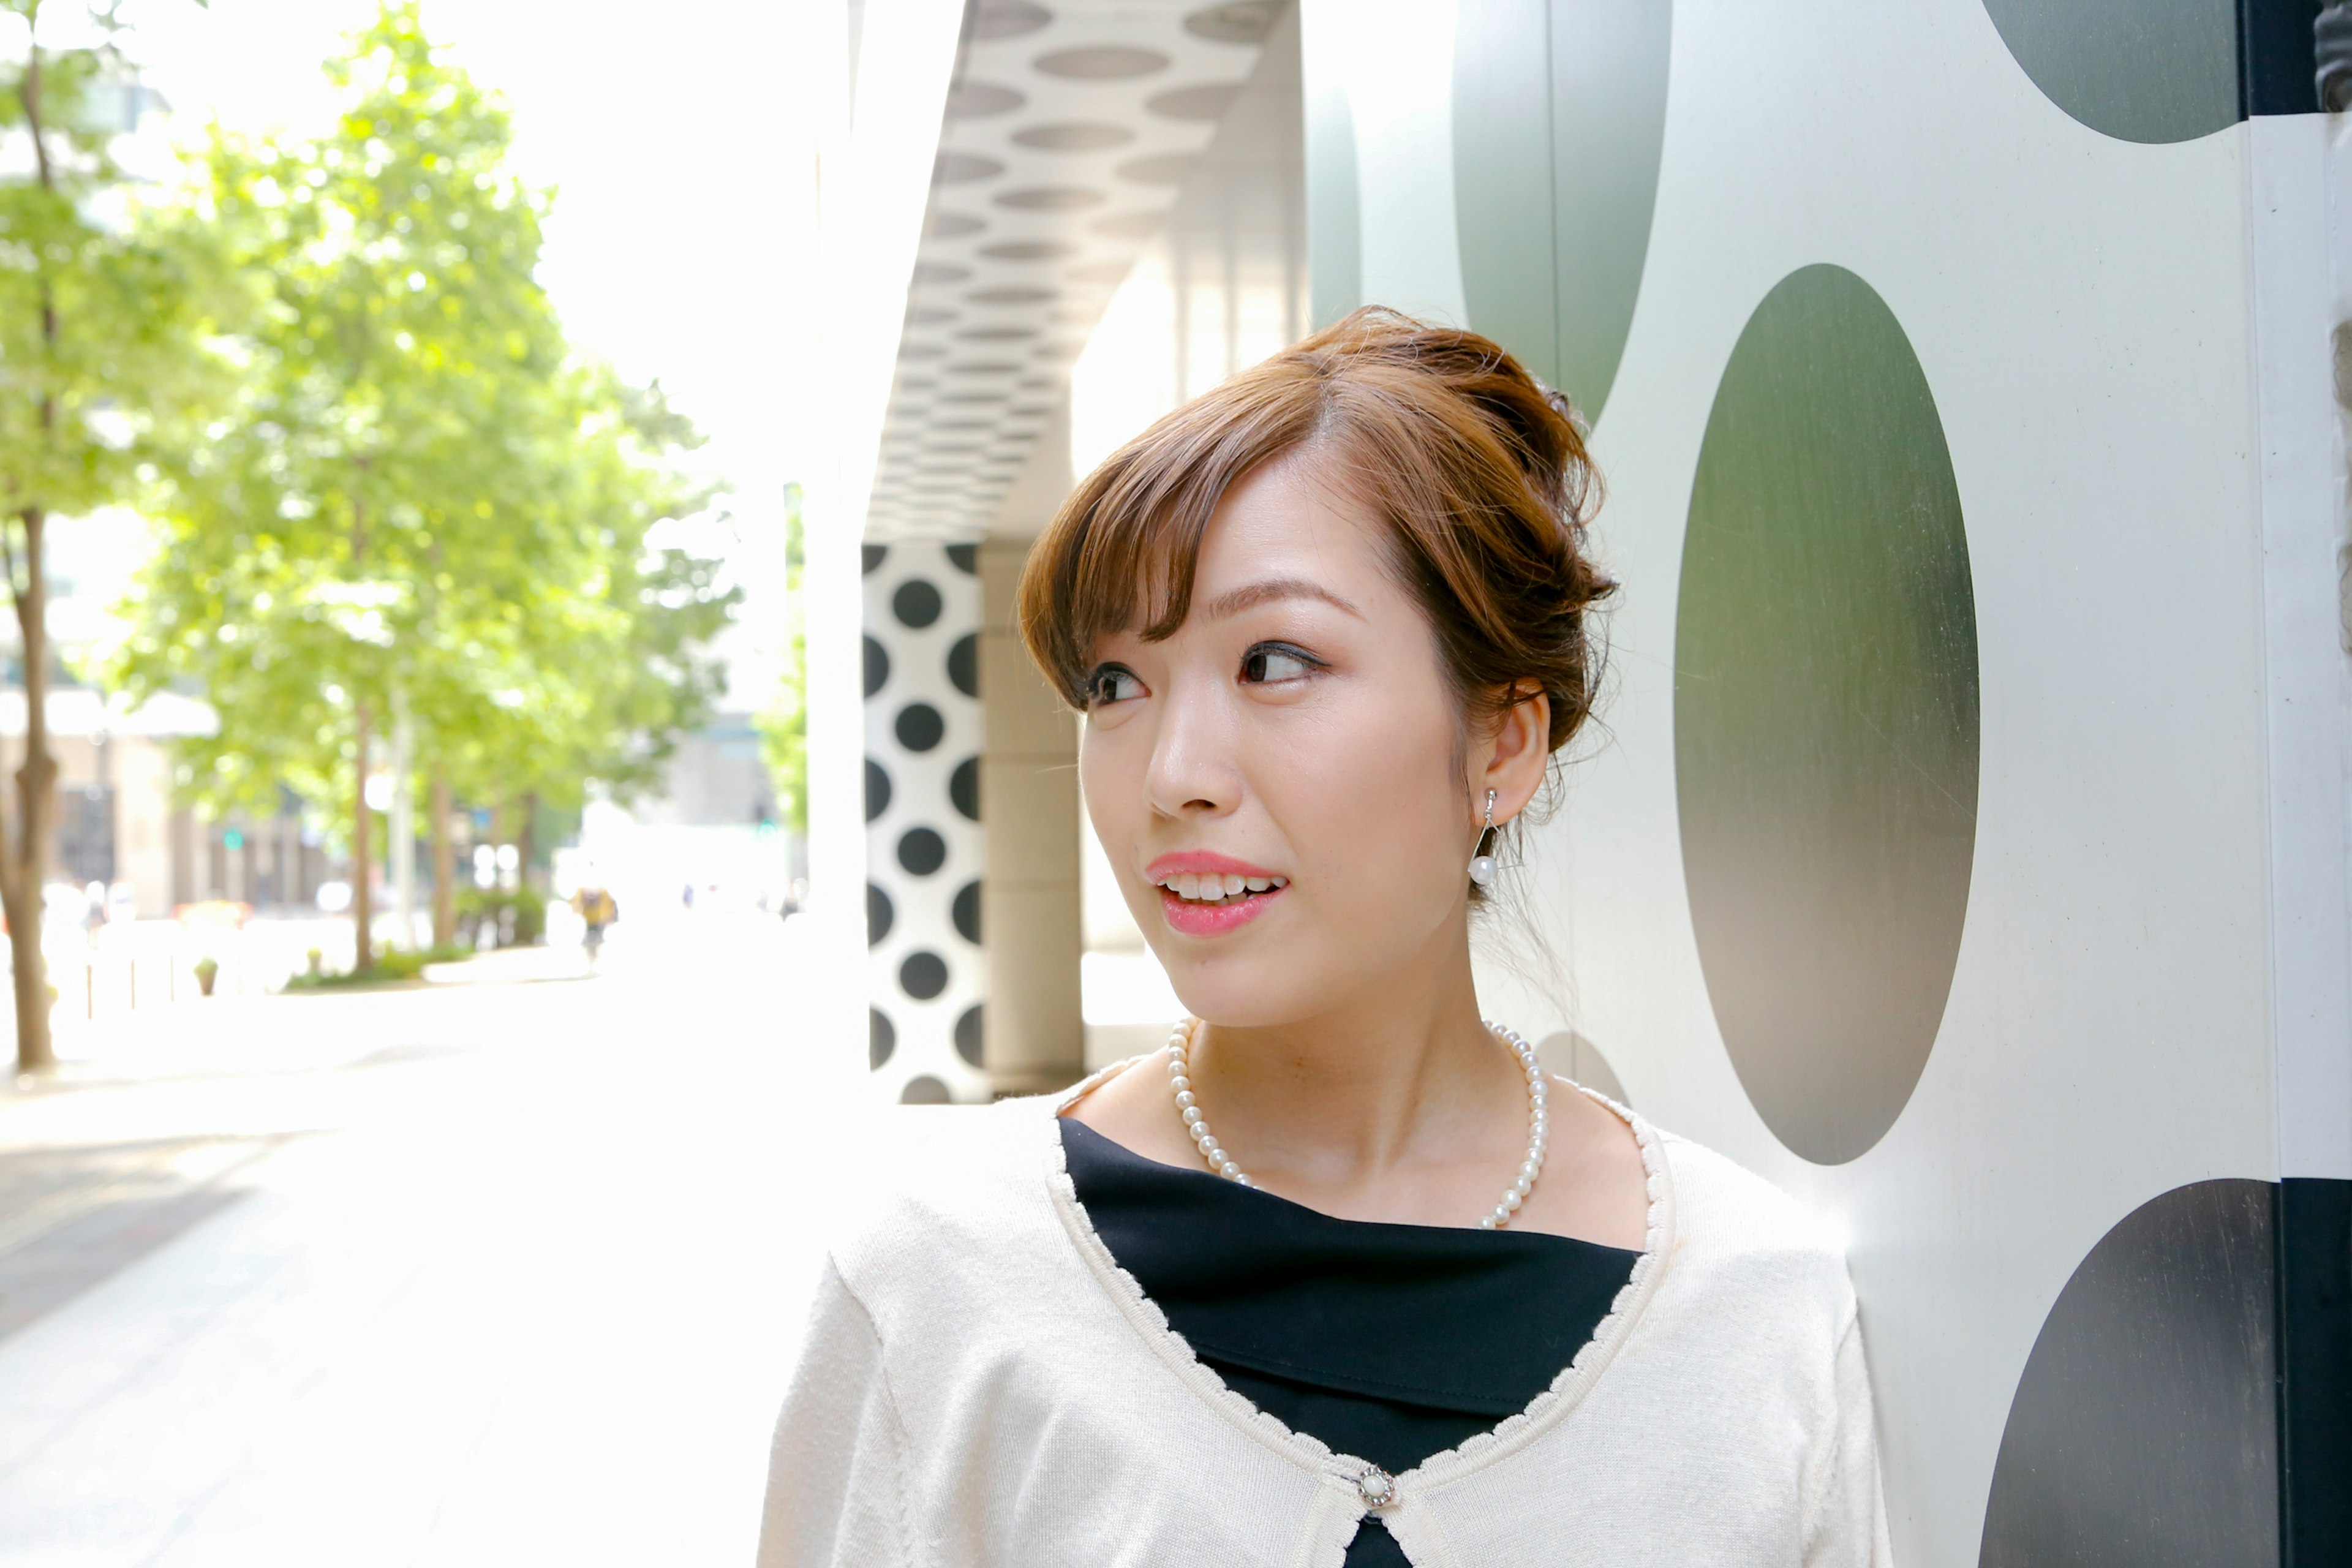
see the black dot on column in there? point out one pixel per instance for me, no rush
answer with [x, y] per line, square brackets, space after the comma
[971, 1039]
[881, 1037]
[921, 851]
[878, 789]
[877, 666]
[880, 915]
[963, 664]
[963, 788]
[916, 603]
[965, 558]
[924, 974]
[924, 1091]
[919, 726]
[875, 554]
[966, 911]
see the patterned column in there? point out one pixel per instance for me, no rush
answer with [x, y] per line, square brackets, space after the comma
[924, 852]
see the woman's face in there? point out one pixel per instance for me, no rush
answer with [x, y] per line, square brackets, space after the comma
[1281, 786]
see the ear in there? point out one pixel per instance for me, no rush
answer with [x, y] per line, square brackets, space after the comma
[1514, 765]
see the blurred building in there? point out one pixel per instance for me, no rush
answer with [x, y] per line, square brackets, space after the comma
[1966, 851]
[715, 777]
[118, 822]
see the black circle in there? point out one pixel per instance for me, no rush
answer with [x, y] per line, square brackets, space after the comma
[1245, 22]
[1825, 714]
[921, 851]
[2139, 70]
[878, 789]
[877, 666]
[965, 558]
[2144, 1425]
[916, 603]
[1553, 250]
[1007, 18]
[963, 788]
[971, 1038]
[919, 726]
[879, 914]
[925, 1091]
[965, 912]
[923, 975]
[963, 665]
[873, 555]
[881, 1037]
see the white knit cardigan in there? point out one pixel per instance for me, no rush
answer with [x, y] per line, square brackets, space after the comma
[983, 1384]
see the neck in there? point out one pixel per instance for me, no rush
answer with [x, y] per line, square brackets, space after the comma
[1402, 1073]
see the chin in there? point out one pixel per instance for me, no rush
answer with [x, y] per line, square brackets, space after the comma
[1262, 988]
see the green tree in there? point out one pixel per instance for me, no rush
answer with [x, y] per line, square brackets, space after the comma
[419, 499]
[783, 723]
[105, 324]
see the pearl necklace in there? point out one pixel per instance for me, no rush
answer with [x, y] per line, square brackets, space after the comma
[1179, 1079]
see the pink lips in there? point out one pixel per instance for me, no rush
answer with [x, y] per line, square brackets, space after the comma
[1209, 919]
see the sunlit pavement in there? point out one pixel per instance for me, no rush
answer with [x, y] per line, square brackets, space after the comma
[504, 1271]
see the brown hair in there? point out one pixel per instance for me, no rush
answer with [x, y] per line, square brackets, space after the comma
[1474, 467]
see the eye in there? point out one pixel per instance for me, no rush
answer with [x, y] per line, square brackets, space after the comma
[1270, 664]
[1111, 683]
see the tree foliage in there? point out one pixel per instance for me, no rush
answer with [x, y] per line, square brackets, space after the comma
[783, 724]
[106, 325]
[420, 495]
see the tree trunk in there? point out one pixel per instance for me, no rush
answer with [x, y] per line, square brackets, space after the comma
[24, 864]
[363, 860]
[527, 839]
[445, 864]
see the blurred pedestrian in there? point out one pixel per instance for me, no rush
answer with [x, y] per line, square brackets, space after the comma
[596, 910]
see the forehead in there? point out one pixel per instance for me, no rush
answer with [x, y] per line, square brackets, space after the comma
[1284, 521]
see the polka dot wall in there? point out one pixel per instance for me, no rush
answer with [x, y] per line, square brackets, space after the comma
[923, 740]
[1904, 333]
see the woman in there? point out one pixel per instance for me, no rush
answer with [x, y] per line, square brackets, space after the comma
[1339, 1275]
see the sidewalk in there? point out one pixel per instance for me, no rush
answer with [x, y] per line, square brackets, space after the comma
[502, 1270]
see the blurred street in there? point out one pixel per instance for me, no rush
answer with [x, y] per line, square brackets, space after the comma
[498, 1269]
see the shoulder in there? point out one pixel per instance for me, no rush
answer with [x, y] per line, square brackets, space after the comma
[941, 1194]
[1732, 1228]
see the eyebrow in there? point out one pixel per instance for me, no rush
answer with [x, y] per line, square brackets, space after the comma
[1267, 592]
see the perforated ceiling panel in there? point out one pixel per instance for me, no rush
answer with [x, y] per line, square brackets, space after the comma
[1069, 132]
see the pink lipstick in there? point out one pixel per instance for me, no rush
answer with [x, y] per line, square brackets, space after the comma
[1206, 894]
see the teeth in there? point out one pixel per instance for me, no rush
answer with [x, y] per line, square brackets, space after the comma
[1210, 887]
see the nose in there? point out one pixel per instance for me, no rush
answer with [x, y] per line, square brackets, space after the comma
[1193, 770]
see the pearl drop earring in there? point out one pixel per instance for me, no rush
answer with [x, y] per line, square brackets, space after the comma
[1482, 863]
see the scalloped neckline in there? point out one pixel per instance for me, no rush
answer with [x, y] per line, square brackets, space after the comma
[1491, 1447]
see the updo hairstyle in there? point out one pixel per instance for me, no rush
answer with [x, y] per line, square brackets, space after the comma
[1475, 467]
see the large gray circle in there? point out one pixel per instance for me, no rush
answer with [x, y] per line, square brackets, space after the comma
[2144, 1430]
[2139, 70]
[1825, 714]
[1560, 120]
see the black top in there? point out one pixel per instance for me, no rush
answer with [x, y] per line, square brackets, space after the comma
[1389, 1342]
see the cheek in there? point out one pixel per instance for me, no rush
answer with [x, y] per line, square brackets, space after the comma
[1373, 806]
[1113, 786]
